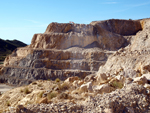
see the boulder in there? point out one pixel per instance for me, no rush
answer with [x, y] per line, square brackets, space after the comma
[80, 82]
[90, 78]
[147, 86]
[101, 78]
[75, 83]
[86, 87]
[128, 80]
[43, 100]
[120, 78]
[104, 88]
[108, 110]
[71, 79]
[140, 80]
[147, 76]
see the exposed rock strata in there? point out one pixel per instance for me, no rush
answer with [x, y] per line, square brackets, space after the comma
[66, 50]
[133, 60]
[122, 84]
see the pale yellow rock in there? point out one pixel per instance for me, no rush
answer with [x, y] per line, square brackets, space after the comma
[108, 110]
[147, 86]
[43, 100]
[71, 79]
[120, 78]
[104, 88]
[86, 87]
[101, 77]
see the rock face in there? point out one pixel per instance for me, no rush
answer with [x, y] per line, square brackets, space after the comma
[112, 56]
[133, 60]
[65, 50]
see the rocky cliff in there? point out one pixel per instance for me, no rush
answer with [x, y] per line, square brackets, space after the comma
[65, 50]
[104, 67]
[134, 58]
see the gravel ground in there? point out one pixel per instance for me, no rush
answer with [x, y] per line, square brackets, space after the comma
[132, 99]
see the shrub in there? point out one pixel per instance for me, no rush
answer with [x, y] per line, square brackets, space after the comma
[57, 80]
[116, 84]
[41, 93]
[21, 90]
[8, 103]
[1, 93]
[63, 86]
[26, 90]
[51, 95]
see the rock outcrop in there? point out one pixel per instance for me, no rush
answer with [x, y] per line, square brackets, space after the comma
[112, 56]
[66, 50]
[133, 60]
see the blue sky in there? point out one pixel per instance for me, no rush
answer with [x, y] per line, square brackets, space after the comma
[21, 19]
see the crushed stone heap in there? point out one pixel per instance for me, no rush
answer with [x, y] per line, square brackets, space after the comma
[66, 49]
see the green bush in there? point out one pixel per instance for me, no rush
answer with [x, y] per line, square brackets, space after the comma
[51, 95]
[21, 90]
[26, 90]
[8, 103]
[41, 93]
[57, 80]
[116, 84]
[63, 86]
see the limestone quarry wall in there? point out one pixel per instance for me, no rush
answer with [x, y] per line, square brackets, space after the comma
[132, 60]
[66, 49]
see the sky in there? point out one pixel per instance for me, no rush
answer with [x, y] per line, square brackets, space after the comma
[21, 19]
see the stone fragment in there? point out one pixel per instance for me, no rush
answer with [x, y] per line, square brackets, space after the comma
[120, 78]
[43, 100]
[86, 87]
[108, 110]
[101, 78]
[140, 80]
[104, 88]
[147, 77]
[71, 79]
[89, 78]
